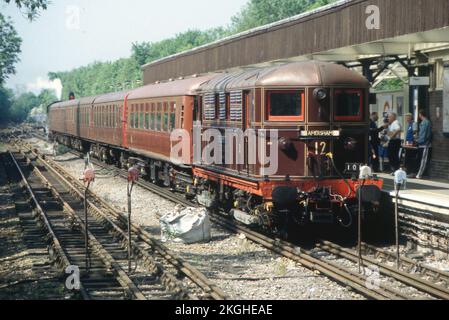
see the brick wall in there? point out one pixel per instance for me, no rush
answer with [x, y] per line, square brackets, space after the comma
[439, 166]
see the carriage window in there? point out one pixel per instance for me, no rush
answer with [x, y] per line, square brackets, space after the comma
[159, 117]
[142, 116]
[172, 116]
[348, 105]
[147, 117]
[286, 105]
[105, 117]
[152, 117]
[165, 117]
[136, 117]
[114, 117]
[147, 121]
[133, 117]
[108, 116]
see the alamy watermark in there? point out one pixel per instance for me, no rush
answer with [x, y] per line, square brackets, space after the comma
[230, 146]
[73, 281]
[73, 18]
[373, 20]
[373, 278]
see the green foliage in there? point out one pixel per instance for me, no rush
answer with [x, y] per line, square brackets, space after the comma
[390, 85]
[99, 77]
[22, 106]
[32, 7]
[102, 77]
[6, 97]
[47, 97]
[260, 12]
[17, 109]
[146, 51]
[9, 48]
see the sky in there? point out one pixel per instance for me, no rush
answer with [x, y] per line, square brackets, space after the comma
[73, 33]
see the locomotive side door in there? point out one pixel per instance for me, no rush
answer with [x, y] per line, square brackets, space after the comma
[246, 124]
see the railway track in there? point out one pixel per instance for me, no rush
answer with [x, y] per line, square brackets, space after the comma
[106, 280]
[408, 265]
[410, 276]
[333, 270]
[33, 238]
[175, 273]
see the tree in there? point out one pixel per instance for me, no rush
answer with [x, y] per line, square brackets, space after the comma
[146, 52]
[22, 106]
[260, 12]
[10, 42]
[6, 96]
[9, 48]
[32, 7]
[47, 97]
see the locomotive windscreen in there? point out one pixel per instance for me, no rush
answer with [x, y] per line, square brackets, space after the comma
[286, 105]
[348, 105]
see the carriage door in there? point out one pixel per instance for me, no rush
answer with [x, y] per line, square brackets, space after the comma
[77, 120]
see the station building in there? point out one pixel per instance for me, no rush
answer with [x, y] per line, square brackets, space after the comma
[382, 39]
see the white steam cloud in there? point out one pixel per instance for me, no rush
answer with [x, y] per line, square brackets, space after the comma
[41, 84]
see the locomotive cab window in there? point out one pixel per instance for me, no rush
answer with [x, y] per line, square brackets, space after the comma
[348, 105]
[286, 105]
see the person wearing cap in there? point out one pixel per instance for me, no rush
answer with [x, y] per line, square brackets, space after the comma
[411, 153]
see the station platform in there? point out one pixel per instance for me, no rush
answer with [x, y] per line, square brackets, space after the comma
[424, 195]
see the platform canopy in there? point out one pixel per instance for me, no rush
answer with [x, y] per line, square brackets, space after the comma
[337, 32]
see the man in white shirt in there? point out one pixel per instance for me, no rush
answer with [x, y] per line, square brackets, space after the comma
[394, 145]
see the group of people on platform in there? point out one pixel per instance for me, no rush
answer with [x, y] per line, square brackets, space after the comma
[386, 142]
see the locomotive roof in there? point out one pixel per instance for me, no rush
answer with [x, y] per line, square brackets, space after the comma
[182, 87]
[305, 73]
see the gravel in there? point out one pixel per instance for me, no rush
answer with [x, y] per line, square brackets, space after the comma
[242, 269]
